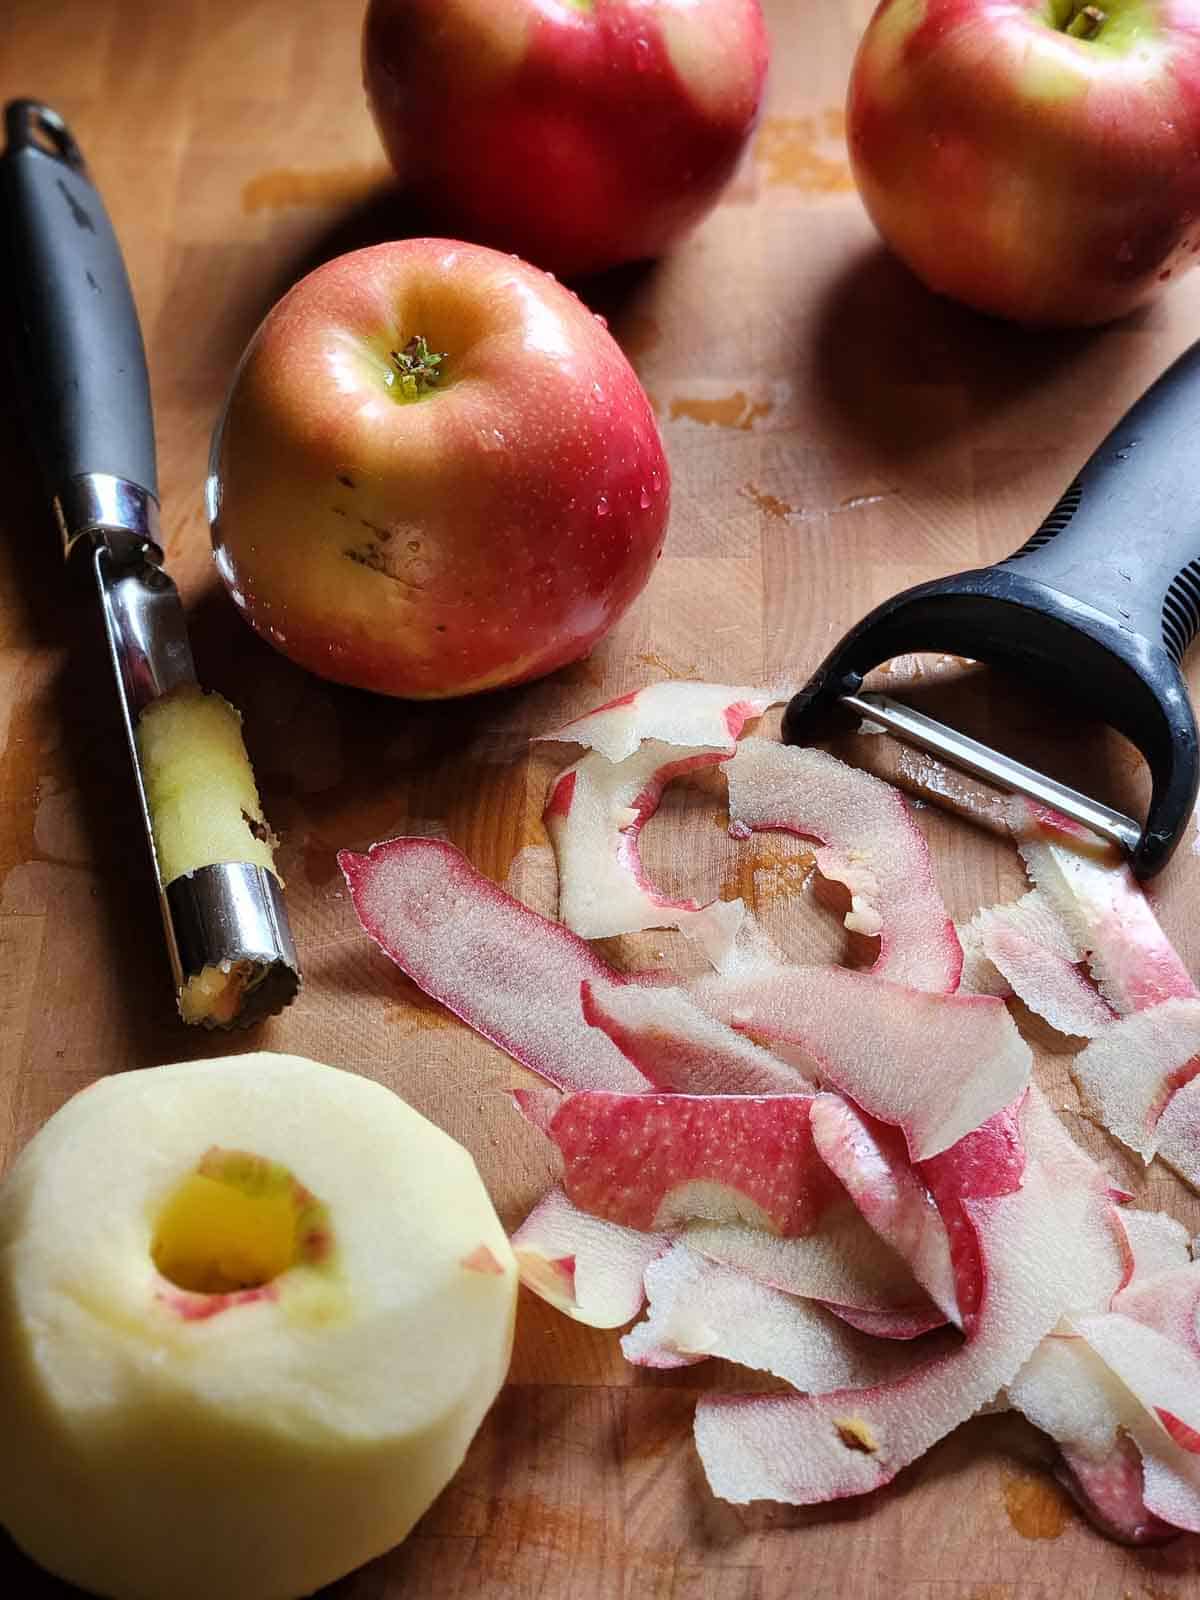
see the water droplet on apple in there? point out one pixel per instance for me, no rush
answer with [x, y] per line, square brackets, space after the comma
[644, 499]
[641, 55]
[597, 393]
[602, 506]
[600, 318]
[656, 480]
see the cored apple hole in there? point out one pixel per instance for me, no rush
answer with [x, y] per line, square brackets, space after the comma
[237, 1222]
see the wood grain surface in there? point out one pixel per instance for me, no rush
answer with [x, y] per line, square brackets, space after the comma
[834, 433]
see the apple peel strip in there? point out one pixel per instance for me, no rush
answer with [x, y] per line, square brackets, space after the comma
[936, 1065]
[675, 712]
[1067, 1391]
[510, 974]
[1129, 1074]
[1103, 908]
[594, 815]
[866, 839]
[872, 1163]
[698, 1308]
[1045, 1246]
[660, 1161]
[1024, 949]
[588, 1268]
[676, 1045]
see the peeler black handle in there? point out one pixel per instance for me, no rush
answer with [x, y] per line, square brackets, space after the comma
[1125, 537]
[80, 346]
[1104, 598]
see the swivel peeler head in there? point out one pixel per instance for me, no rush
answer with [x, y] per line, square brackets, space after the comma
[1004, 616]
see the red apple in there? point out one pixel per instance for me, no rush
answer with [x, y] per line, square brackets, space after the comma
[579, 133]
[436, 473]
[1038, 159]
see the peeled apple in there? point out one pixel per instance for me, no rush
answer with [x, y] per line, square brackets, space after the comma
[252, 1312]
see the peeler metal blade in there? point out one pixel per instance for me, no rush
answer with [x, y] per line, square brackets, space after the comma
[80, 348]
[1104, 598]
[993, 766]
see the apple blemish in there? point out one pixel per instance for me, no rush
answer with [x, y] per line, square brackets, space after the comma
[232, 1228]
[855, 1435]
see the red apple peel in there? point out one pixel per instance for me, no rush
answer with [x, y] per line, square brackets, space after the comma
[867, 840]
[1044, 1246]
[699, 715]
[511, 975]
[1130, 1072]
[872, 1162]
[590, 1269]
[698, 1308]
[594, 816]
[658, 1162]
[936, 1065]
[677, 1046]
[1103, 909]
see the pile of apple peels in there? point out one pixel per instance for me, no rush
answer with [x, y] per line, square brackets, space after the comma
[845, 1178]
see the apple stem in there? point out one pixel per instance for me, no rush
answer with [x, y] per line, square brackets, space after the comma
[1086, 22]
[417, 369]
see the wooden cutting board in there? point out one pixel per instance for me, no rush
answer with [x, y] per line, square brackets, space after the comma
[834, 433]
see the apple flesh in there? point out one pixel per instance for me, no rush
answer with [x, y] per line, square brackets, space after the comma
[1060, 141]
[252, 1312]
[204, 809]
[436, 473]
[579, 134]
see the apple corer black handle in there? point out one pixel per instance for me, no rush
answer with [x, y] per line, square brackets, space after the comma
[1101, 601]
[79, 344]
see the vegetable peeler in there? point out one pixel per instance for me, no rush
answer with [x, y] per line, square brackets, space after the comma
[79, 348]
[1105, 595]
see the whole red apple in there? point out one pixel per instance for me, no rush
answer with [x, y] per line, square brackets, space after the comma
[578, 133]
[1038, 159]
[436, 473]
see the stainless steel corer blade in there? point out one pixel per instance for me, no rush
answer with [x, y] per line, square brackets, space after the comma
[84, 368]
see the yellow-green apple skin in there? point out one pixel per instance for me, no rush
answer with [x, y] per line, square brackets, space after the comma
[1024, 168]
[476, 525]
[252, 1312]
